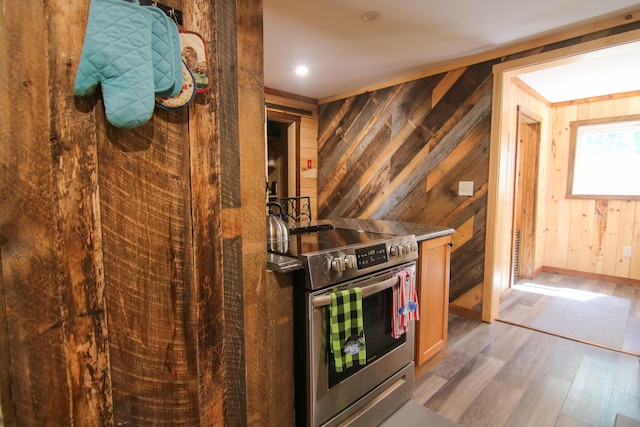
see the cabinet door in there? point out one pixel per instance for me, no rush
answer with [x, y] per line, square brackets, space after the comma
[433, 296]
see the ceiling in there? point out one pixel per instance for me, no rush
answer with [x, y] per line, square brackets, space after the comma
[603, 72]
[343, 53]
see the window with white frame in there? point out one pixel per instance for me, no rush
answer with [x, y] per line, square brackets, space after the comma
[604, 161]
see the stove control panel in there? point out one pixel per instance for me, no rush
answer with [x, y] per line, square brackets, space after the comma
[403, 248]
[333, 266]
[370, 256]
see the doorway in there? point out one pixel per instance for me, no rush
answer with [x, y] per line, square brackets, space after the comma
[283, 145]
[501, 203]
[525, 195]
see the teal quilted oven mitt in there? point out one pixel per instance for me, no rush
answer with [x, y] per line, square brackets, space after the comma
[117, 54]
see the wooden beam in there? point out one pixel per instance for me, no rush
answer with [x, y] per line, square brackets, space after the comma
[217, 229]
[52, 306]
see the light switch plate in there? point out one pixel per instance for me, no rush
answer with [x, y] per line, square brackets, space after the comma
[465, 188]
[627, 251]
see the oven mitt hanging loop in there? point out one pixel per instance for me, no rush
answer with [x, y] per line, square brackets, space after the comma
[117, 54]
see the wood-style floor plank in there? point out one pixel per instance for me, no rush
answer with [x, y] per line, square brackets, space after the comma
[624, 291]
[454, 361]
[627, 376]
[507, 342]
[427, 386]
[564, 421]
[541, 403]
[527, 361]
[634, 311]
[564, 358]
[592, 386]
[461, 390]
[492, 407]
[501, 375]
[459, 328]
[632, 336]
[464, 343]
[619, 403]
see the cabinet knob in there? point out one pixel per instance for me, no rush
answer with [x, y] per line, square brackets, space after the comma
[450, 244]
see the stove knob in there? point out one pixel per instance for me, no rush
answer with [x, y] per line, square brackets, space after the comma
[393, 250]
[337, 264]
[413, 246]
[350, 261]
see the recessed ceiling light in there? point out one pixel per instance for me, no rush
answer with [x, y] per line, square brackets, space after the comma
[302, 70]
[371, 16]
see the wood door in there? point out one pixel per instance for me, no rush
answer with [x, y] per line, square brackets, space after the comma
[525, 201]
[433, 296]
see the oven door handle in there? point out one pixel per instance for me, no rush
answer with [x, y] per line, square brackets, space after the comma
[325, 299]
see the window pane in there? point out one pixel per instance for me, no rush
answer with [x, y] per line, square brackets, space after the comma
[607, 159]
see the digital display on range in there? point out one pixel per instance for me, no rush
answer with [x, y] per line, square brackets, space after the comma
[373, 255]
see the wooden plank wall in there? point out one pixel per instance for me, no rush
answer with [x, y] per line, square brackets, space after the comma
[588, 235]
[399, 152]
[121, 251]
[54, 353]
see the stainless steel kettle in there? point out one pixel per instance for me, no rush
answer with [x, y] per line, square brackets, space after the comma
[277, 231]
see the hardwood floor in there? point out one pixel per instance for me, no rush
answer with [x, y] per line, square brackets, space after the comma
[499, 375]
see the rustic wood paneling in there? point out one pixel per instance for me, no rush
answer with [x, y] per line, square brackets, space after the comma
[218, 220]
[587, 235]
[74, 155]
[54, 353]
[30, 259]
[398, 153]
[277, 395]
[146, 226]
[121, 250]
[382, 154]
[263, 353]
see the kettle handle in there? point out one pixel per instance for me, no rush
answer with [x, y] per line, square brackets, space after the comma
[281, 209]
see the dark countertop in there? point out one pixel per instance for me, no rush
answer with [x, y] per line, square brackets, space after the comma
[421, 231]
[284, 264]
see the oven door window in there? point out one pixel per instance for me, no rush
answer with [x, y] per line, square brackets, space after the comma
[376, 312]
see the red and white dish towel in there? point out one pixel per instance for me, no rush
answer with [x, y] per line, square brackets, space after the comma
[405, 302]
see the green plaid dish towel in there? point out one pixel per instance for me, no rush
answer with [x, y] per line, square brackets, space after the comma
[347, 329]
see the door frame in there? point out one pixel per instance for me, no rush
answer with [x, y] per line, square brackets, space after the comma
[498, 267]
[293, 147]
[525, 194]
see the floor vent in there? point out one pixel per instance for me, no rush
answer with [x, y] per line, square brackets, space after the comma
[516, 255]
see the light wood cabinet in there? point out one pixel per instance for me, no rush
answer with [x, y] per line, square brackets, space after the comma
[433, 298]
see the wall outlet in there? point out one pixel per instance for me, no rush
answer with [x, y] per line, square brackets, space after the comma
[465, 188]
[627, 251]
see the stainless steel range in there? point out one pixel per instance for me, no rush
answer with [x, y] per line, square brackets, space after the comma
[339, 259]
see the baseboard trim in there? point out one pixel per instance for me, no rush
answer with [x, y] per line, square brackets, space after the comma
[594, 276]
[465, 312]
